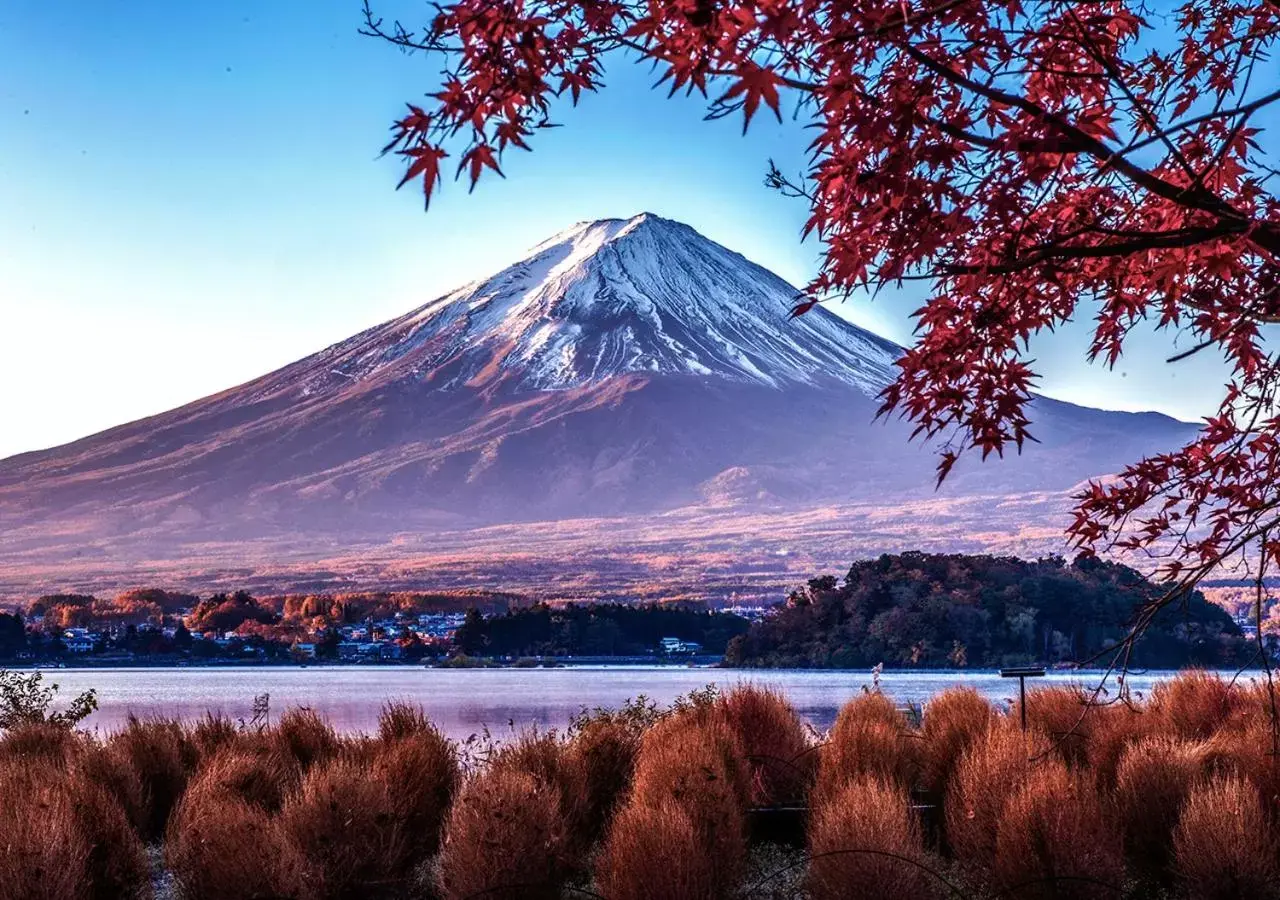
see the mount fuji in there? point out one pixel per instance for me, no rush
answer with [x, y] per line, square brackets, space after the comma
[625, 368]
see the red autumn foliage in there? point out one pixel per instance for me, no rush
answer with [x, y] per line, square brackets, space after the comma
[1029, 161]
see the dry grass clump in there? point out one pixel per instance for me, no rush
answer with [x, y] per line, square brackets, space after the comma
[212, 732]
[221, 848]
[1224, 846]
[261, 778]
[107, 766]
[420, 773]
[45, 852]
[41, 741]
[1193, 705]
[953, 720]
[63, 831]
[1152, 782]
[344, 822]
[158, 751]
[504, 839]
[774, 741]
[307, 737]
[985, 778]
[651, 853]
[116, 862]
[401, 719]
[869, 737]
[1056, 841]
[866, 842]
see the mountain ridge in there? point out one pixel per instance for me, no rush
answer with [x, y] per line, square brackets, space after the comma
[623, 367]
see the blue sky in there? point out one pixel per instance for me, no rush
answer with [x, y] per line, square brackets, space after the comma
[191, 197]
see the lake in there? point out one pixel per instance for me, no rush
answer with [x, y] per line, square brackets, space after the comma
[463, 701]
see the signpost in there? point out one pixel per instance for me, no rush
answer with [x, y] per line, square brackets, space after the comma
[1022, 673]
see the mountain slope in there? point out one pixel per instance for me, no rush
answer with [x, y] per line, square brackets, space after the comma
[623, 367]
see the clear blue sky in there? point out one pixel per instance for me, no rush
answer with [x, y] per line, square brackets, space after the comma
[190, 196]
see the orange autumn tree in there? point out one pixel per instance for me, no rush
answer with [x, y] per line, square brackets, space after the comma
[1023, 158]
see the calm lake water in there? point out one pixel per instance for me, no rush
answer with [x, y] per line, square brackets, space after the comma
[462, 702]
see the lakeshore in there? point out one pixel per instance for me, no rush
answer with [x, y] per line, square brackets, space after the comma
[463, 702]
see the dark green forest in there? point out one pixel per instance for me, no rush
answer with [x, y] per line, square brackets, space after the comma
[594, 630]
[957, 611]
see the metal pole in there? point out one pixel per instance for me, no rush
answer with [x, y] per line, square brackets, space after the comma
[1022, 692]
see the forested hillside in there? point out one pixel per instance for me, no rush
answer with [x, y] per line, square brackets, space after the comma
[918, 609]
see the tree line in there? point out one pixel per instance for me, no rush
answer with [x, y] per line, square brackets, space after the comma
[595, 629]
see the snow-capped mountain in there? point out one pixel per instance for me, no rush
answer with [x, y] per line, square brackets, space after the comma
[624, 366]
[643, 296]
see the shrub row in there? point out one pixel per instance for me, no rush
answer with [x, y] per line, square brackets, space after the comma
[1175, 796]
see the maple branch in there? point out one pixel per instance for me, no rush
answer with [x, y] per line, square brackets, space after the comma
[1114, 74]
[1182, 237]
[1195, 198]
[1245, 109]
[907, 21]
[1178, 357]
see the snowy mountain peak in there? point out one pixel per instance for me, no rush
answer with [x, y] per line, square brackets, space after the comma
[643, 295]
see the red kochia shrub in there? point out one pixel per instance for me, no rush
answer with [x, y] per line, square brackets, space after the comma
[599, 760]
[1055, 840]
[108, 766]
[953, 720]
[504, 839]
[1065, 715]
[653, 851]
[537, 753]
[866, 842]
[103, 793]
[212, 732]
[343, 821]
[1112, 730]
[774, 741]
[691, 764]
[1193, 704]
[41, 741]
[1152, 782]
[262, 778]
[869, 737]
[76, 776]
[987, 775]
[401, 719]
[116, 862]
[696, 761]
[1225, 847]
[1250, 750]
[220, 847]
